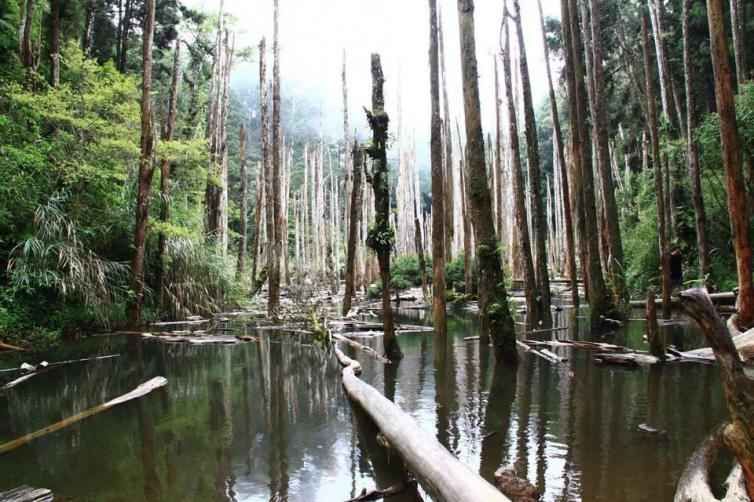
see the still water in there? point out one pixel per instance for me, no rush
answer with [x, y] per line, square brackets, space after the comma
[270, 421]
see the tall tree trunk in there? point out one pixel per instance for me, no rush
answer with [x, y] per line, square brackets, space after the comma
[146, 166]
[124, 32]
[381, 236]
[268, 174]
[27, 51]
[448, 190]
[55, 42]
[531, 293]
[495, 308]
[656, 162]
[560, 152]
[213, 191]
[692, 151]
[165, 175]
[354, 220]
[439, 242]
[498, 153]
[275, 248]
[599, 120]
[243, 206]
[88, 38]
[738, 29]
[535, 183]
[599, 302]
[258, 222]
[737, 200]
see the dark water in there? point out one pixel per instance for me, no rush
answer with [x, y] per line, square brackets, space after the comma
[270, 421]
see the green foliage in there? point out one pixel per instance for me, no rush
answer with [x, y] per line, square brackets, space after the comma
[380, 237]
[407, 269]
[454, 272]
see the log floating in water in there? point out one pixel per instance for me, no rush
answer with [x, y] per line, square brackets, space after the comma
[726, 298]
[26, 494]
[356, 345]
[141, 390]
[43, 368]
[439, 472]
[544, 354]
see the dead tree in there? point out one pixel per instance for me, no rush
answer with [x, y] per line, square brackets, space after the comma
[439, 242]
[654, 336]
[494, 307]
[659, 189]
[381, 235]
[165, 173]
[146, 166]
[737, 200]
[739, 434]
[531, 292]
[354, 220]
[243, 207]
[275, 246]
[448, 184]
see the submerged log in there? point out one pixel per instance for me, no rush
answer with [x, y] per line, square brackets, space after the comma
[356, 345]
[436, 469]
[517, 488]
[27, 494]
[739, 434]
[140, 391]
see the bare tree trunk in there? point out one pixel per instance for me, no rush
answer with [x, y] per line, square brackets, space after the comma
[146, 165]
[243, 207]
[737, 199]
[656, 161]
[275, 210]
[560, 152]
[124, 32]
[535, 183]
[268, 175]
[654, 335]
[354, 220]
[692, 151]
[440, 239]
[258, 223]
[381, 236]
[449, 202]
[88, 39]
[468, 277]
[738, 29]
[165, 175]
[55, 43]
[494, 309]
[27, 51]
[531, 292]
[739, 434]
[213, 191]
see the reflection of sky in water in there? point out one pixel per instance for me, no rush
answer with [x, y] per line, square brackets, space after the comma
[270, 421]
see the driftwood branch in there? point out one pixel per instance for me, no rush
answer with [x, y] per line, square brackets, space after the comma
[40, 368]
[27, 494]
[141, 390]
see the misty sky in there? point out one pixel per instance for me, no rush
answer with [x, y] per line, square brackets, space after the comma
[313, 34]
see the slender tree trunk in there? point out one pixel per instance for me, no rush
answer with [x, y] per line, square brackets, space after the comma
[277, 217]
[737, 199]
[55, 43]
[354, 221]
[560, 152]
[213, 191]
[27, 51]
[146, 166]
[468, 273]
[268, 174]
[654, 335]
[243, 207]
[439, 242]
[21, 27]
[494, 309]
[381, 236]
[738, 29]
[600, 125]
[530, 284]
[124, 32]
[535, 183]
[498, 152]
[165, 175]
[692, 151]
[656, 161]
[258, 222]
[448, 203]
[88, 39]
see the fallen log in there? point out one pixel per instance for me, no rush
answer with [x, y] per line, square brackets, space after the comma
[548, 330]
[547, 356]
[725, 298]
[435, 468]
[140, 391]
[356, 345]
[27, 493]
[44, 367]
[7, 346]
[375, 494]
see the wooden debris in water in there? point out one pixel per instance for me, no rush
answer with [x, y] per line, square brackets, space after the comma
[375, 494]
[140, 391]
[27, 493]
[517, 488]
[44, 367]
[651, 430]
[356, 345]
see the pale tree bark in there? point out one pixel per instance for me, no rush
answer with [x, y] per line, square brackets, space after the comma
[354, 220]
[737, 199]
[146, 166]
[692, 151]
[165, 174]
[266, 168]
[599, 121]
[27, 51]
[125, 29]
[213, 191]
[498, 195]
[277, 217]
[494, 309]
[560, 152]
[448, 192]
[738, 30]
[381, 236]
[656, 162]
[88, 39]
[439, 242]
[243, 206]
[531, 292]
[258, 221]
[55, 42]
[535, 182]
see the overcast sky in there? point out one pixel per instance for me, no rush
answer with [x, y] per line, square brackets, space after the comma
[313, 34]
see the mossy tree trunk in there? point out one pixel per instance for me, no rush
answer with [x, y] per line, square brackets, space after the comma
[381, 235]
[494, 308]
[243, 206]
[276, 245]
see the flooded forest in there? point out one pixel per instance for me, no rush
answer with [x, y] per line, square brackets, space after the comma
[331, 250]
